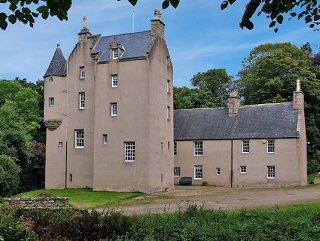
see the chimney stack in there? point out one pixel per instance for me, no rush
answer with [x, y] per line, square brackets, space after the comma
[298, 97]
[233, 104]
[157, 26]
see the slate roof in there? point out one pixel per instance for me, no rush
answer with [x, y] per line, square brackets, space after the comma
[58, 64]
[135, 45]
[252, 122]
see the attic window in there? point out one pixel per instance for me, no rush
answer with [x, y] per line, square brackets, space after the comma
[115, 53]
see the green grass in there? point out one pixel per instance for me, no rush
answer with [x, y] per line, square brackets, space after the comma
[86, 198]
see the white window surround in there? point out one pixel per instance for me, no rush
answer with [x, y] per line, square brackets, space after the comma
[105, 139]
[218, 171]
[271, 172]
[176, 171]
[79, 138]
[245, 146]
[115, 53]
[270, 146]
[82, 72]
[129, 151]
[114, 80]
[82, 98]
[114, 109]
[243, 169]
[51, 101]
[198, 174]
[197, 148]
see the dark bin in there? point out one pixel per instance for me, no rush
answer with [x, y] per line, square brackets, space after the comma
[185, 181]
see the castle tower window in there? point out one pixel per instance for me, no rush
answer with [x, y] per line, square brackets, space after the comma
[129, 151]
[114, 80]
[114, 109]
[115, 53]
[79, 138]
[82, 98]
[82, 72]
[51, 101]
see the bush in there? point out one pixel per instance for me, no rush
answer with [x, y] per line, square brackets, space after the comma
[9, 176]
[70, 224]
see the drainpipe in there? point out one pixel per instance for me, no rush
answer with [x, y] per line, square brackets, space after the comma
[231, 176]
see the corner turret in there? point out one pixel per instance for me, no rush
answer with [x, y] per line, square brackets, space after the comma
[57, 66]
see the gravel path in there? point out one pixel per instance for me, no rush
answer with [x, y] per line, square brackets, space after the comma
[220, 198]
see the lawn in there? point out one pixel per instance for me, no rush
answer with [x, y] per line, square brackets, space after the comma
[85, 198]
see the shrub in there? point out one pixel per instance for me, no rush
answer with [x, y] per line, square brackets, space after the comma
[9, 176]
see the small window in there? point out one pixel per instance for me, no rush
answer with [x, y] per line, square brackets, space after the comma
[79, 138]
[245, 147]
[270, 146]
[271, 172]
[82, 72]
[168, 86]
[161, 146]
[114, 109]
[51, 101]
[70, 177]
[114, 80]
[198, 172]
[168, 145]
[129, 151]
[82, 98]
[176, 171]
[115, 53]
[60, 145]
[105, 139]
[168, 113]
[175, 148]
[243, 169]
[218, 171]
[197, 148]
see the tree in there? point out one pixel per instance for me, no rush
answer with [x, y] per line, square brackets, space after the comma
[185, 98]
[9, 176]
[216, 81]
[14, 140]
[23, 100]
[269, 74]
[19, 10]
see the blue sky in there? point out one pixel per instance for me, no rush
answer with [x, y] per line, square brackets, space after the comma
[199, 35]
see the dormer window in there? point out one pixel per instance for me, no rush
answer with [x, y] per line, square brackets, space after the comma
[115, 53]
[82, 72]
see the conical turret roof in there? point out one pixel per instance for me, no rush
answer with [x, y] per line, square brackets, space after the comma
[57, 65]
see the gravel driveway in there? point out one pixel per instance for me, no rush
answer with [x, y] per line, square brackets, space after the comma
[219, 198]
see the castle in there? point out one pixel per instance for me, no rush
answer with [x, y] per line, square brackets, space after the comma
[111, 125]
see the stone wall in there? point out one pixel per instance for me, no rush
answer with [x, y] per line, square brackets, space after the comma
[38, 202]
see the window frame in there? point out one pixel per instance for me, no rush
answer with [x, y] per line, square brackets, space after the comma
[114, 80]
[271, 146]
[82, 72]
[82, 100]
[115, 53]
[129, 151]
[243, 169]
[114, 109]
[79, 141]
[198, 172]
[197, 148]
[245, 148]
[51, 101]
[176, 171]
[271, 172]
